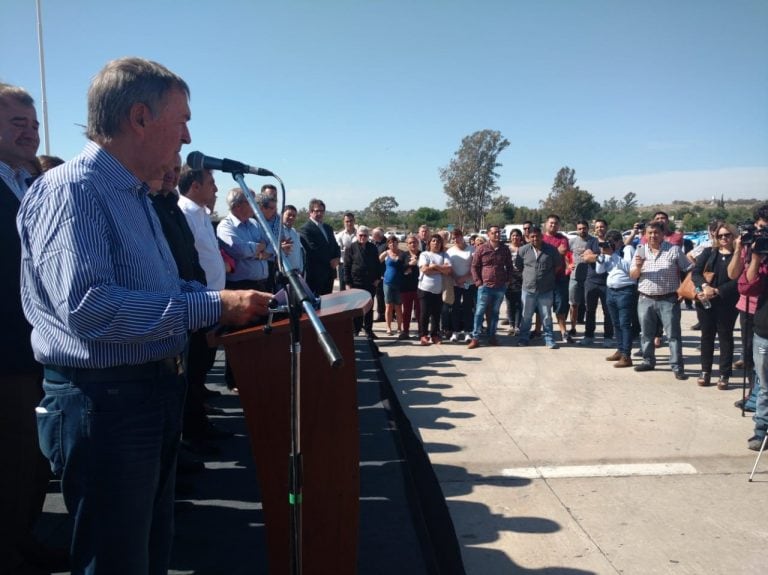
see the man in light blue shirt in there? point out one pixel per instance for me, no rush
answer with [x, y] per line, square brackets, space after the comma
[110, 318]
[242, 238]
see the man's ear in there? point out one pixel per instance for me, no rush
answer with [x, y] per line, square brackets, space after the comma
[138, 116]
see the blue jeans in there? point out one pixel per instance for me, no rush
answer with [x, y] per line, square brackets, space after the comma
[114, 440]
[760, 355]
[620, 307]
[488, 299]
[667, 311]
[541, 302]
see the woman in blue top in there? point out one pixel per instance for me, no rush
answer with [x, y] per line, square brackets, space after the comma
[394, 267]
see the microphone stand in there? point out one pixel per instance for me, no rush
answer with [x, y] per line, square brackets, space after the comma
[298, 299]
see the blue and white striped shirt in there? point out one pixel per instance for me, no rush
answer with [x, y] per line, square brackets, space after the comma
[98, 282]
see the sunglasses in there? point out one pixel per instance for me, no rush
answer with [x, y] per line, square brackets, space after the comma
[724, 236]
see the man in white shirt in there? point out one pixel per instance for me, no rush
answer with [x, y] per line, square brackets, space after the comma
[345, 238]
[293, 251]
[198, 190]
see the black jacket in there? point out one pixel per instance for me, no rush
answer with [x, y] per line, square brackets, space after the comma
[18, 358]
[361, 265]
[179, 237]
[320, 251]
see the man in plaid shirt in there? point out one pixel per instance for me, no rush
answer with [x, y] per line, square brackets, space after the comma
[657, 266]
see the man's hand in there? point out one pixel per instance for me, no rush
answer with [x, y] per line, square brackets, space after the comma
[239, 307]
[334, 263]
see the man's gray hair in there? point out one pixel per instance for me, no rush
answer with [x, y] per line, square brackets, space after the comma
[235, 197]
[363, 230]
[19, 95]
[121, 84]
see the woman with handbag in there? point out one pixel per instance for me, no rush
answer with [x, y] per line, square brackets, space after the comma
[714, 287]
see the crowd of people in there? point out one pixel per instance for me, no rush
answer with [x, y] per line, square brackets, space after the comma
[455, 292]
[116, 273]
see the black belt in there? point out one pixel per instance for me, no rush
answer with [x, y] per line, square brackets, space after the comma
[662, 296]
[631, 286]
[161, 367]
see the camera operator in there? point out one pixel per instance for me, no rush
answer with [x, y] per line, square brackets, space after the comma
[751, 240]
[637, 230]
[615, 259]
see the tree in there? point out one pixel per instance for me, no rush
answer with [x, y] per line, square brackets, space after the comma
[470, 180]
[382, 210]
[569, 201]
[629, 201]
[430, 216]
[502, 211]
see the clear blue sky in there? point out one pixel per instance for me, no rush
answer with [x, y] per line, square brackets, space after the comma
[349, 100]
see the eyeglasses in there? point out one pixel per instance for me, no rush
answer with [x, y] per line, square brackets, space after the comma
[362, 235]
[724, 236]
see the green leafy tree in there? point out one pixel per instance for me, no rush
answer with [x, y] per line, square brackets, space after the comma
[502, 211]
[433, 218]
[569, 201]
[470, 180]
[382, 210]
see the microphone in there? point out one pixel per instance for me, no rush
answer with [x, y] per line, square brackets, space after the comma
[199, 161]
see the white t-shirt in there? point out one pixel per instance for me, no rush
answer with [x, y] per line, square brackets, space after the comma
[432, 282]
[461, 261]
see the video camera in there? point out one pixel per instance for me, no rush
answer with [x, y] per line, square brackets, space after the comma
[639, 226]
[755, 237]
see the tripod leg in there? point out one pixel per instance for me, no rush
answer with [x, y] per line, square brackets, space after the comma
[762, 448]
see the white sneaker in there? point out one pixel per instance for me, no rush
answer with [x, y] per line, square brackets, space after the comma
[454, 338]
[467, 337]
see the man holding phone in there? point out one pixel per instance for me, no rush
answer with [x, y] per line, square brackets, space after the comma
[657, 266]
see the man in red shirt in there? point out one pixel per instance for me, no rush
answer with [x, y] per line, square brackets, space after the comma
[559, 241]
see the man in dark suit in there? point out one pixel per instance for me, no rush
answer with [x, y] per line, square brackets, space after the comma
[322, 251]
[24, 472]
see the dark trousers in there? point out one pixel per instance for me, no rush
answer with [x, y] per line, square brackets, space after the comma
[514, 307]
[380, 304]
[431, 306]
[718, 320]
[260, 285]
[24, 472]
[593, 293]
[746, 322]
[410, 301]
[199, 360]
[365, 322]
[463, 308]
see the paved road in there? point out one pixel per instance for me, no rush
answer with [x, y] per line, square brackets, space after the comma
[554, 462]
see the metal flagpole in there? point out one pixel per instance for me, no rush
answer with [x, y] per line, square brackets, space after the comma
[44, 98]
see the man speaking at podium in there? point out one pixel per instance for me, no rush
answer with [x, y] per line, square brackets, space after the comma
[110, 318]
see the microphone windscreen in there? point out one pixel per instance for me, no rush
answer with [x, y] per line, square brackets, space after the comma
[195, 160]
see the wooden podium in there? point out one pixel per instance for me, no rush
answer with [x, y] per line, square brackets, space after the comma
[330, 441]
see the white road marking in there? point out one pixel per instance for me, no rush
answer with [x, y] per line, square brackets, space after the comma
[608, 470]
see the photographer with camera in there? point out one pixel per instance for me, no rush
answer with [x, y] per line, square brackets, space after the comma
[753, 283]
[635, 233]
[615, 260]
[752, 239]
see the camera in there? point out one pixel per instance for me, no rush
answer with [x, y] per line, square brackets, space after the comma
[639, 226]
[606, 245]
[753, 236]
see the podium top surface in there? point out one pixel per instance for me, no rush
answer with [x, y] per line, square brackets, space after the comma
[350, 303]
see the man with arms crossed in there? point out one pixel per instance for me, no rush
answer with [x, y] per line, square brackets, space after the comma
[110, 318]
